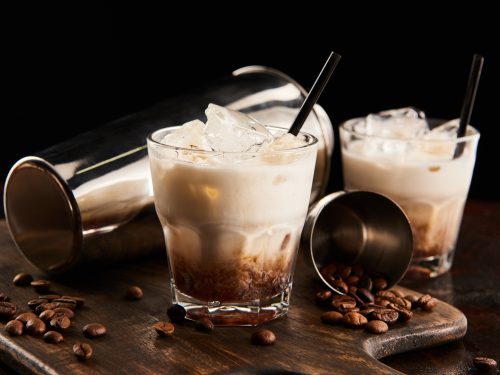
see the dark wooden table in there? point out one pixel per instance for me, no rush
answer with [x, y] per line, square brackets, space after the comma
[472, 286]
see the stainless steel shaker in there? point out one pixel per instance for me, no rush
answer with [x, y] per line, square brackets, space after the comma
[89, 199]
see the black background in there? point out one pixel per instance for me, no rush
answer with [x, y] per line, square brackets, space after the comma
[66, 71]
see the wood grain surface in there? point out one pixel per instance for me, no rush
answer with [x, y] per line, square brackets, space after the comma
[131, 346]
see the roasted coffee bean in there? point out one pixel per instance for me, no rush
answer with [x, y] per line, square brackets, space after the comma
[134, 293]
[82, 350]
[41, 286]
[164, 329]
[485, 365]
[14, 328]
[53, 337]
[7, 310]
[385, 294]
[377, 326]
[404, 314]
[323, 297]
[365, 282]
[365, 295]
[22, 279]
[354, 319]
[413, 300]
[65, 311]
[340, 285]
[358, 300]
[426, 302]
[24, 317]
[53, 305]
[398, 301]
[4, 297]
[357, 270]
[379, 284]
[397, 293]
[382, 302]
[34, 303]
[329, 270]
[343, 303]
[331, 317]
[60, 322]
[49, 297]
[35, 327]
[352, 280]
[78, 300]
[94, 330]
[176, 313]
[65, 302]
[263, 337]
[344, 271]
[204, 325]
[47, 315]
[388, 316]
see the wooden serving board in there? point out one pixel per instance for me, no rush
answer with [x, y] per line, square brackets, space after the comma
[304, 344]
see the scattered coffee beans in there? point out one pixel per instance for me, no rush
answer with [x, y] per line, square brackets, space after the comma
[14, 328]
[34, 303]
[53, 337]
[24, 317]
[47, 315]
[22, 279]
[60, 322]
[413, 300]
[354, 320]
[78, 300]
[204, 325]
[426, 302]
[134, 293]
[403, 314]
[94, 330]
[7, 310]
[82, 350]
[41, 286]
[377, 326]
[164, 329]
[263, 337]
[486, 365]
[35, 327]
[331, 317]
[176, 313]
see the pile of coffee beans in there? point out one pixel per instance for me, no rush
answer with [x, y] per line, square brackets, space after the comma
[366, 302]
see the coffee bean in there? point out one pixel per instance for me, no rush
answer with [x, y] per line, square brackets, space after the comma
[331, 317]
[176, 313]
[365, 282]
[329, 270]
[485, 364]
[340, 285]
[65, 311]
[22, 279]
[385, 294]
[413, 300]
[365, 295]
[426, 302]
[14, 328]
[94, 330]
[344, 271]
[53, 305]
[388, 316]
[358, 300]
[47, 315]
[60, 322]
[379, 284]
[34, 303]
[65, 302]
[24, 317]
[7, 310]
[53, 337]
[41, 286]
[4, 297]
[82, 350]
[49, 297]
[377, 326]
[343, 304]
[204, 325]
[164, 329]
[134, 293]
[78, 300]
[352, 280]
[263, 337]
[382, 302]
[357, 270]
[35, 327]
[397, 293]
[354, 319]
[404, 314]
[323, 297]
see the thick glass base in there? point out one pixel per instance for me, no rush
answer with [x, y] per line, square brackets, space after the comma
[429, 267]
[244, 313]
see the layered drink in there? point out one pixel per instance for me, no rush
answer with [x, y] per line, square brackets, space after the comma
[422, 166]
[232, 196]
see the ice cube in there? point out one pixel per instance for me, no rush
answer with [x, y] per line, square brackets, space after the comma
[191, 135]
[438, 147]
[232, 131]
[402, 123]
[445, 131]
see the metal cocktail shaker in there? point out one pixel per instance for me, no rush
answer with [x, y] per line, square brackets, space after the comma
[90, 199]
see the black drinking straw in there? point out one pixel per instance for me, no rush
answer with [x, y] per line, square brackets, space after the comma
[315, 92]
[468, 105]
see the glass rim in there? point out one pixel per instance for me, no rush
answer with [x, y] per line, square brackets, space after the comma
[312, 142]
[344, 126]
